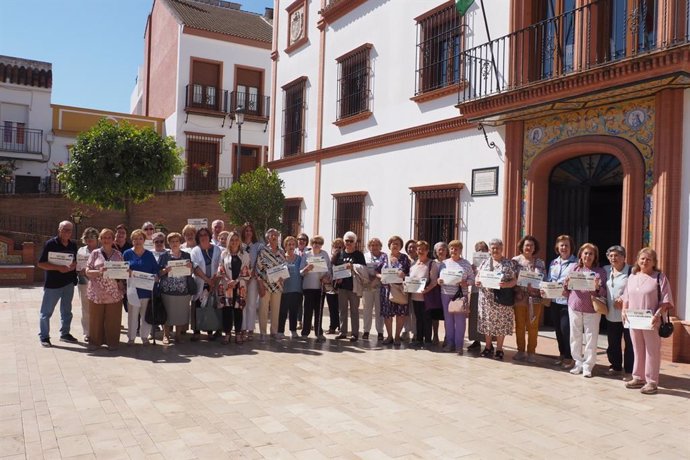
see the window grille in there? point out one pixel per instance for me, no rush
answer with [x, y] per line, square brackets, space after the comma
[291, 217]
[293, 117]
[348, 214]
[436, 213]
[354, 71]
[439, 39]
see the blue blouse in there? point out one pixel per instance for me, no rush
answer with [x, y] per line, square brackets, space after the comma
[145, 263]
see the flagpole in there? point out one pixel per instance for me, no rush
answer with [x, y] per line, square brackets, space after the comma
[488, 36]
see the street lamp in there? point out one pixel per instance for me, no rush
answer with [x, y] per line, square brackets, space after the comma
[239, 119]
[76, 218]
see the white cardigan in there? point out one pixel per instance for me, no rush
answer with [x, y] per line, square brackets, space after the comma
[198, 261]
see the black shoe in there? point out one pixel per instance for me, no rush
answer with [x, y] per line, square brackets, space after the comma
[46, 343]
[380, 336]
[69, 338]
[488, 352]
[341, 336]
[476, 345]
[354, 338]
[499, 355]
[365, 336]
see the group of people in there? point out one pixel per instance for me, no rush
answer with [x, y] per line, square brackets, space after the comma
[414, 285]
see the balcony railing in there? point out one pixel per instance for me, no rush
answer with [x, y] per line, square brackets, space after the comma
[206, 97]
[584, 38]
[254, 104]
[212, 183]
[21, 140]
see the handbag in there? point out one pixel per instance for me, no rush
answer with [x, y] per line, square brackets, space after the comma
[505, 296]
[191, 285]
[156, 314]
[432, 299]
[459, 303]
[207, 314]
[600, 305]
[396, 294]
[666, 326]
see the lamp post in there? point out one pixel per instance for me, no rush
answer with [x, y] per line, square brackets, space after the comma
[239, 119]
[76, 218]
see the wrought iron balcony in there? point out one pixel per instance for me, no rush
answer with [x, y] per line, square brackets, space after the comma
[18, 139]
[253, 103]
[206, 98]
[598, 34]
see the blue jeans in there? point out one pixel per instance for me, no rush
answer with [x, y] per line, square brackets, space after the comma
[50, 299]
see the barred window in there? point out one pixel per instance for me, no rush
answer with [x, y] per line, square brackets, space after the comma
[354, 72]
[436, 212]
[291, 222]
[348, 214]
[202, 153]
[439, 39]
[293, 117]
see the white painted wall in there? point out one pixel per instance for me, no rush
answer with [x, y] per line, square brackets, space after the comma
[230, 54]
[391, 29]
[682, 307]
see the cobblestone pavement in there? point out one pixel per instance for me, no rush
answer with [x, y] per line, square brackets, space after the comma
[300, 399]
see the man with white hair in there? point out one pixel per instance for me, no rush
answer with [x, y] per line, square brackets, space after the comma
[350, 288]
[217, 228]
[59, 260]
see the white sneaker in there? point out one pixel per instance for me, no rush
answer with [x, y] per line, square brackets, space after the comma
[587, 374]
[519, 356]
[576, 370]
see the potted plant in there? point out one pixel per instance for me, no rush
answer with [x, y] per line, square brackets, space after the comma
[204, 168]
[7, 170]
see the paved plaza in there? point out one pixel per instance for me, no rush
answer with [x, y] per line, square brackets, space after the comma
[300, 399]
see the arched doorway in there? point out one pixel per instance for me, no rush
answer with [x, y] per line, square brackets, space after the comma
[586, 200]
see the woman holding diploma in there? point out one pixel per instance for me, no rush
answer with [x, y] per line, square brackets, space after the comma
[140, 260]
[648, 290]
[332, 291]
[528, 306]
[559, 269]
[174, 291]
[423, 268]
[496, 303]
[234, 272]
[371, 296]
[291, 298]
[583, 318]
[313, 280]
[105, 295]
[390, 309]
[90, 239]
[617, 274]
[271, 256]
[455, 272]
[251, 246]
[205, 258]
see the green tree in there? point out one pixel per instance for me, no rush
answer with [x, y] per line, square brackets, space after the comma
[257, 198]
[114, 165]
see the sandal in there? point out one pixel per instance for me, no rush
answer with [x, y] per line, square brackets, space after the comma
[488, 352]
[499, 355]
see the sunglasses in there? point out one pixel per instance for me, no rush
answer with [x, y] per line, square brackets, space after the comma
[159, 241]
[318, 242]
[349, 241]
[149, 228]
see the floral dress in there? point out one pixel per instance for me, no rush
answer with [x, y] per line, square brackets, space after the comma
[494, 318]
[390, 309]
[103, 290]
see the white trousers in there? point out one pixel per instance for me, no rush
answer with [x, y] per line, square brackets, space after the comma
[584, 327]
[133, 314]
[372, 309]
[252, 306]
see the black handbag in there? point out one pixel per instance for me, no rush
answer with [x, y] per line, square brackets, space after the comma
[505, 296]
[666, 326]
[156, 313]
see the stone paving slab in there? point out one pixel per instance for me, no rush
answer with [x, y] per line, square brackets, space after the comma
[303, 400]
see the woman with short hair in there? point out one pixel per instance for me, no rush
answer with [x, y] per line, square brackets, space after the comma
[251, 246]
[559, 269]
[528, 305]
[158, 245]
[332, 291]
[105, 294]
[647, 289]
[312, 287]
[206, 258]
[189, 235]
[583, 318]
[371, 296]
[175, 291]
[141, 260]
[472, 332]
[90, 239]
[291, 299]
[270, 292]
[389, 308]
[223, 239]
[350, 289]
[455, 322]
[423, 268]
[617, 274]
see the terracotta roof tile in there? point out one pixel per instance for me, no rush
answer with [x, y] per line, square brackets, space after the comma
[222, 20]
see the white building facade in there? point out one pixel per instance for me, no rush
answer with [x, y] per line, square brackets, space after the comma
[203, 61]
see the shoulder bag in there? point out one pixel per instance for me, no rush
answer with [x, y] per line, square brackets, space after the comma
[156, 313]
[666, 326]
[459, 303]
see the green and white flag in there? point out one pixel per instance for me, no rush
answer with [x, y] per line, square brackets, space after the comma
[463, 5]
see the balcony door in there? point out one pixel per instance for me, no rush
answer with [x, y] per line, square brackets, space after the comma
[205, 86]
[625, 28]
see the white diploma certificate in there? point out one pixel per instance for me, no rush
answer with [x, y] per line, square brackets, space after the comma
[277, 272]
[639, 319]
[371, 268]
[341, 271]
[414, 285]
[60, 258]
[451, 277]
[552, 290]
[319, 264]
[116, 270]
[178, 268]
[490, 280]
[527, 277]
[479, 257]
[581, 281]
[198, 223]
[143, 280]
[390, 276]
[148, 245]
[81, 261]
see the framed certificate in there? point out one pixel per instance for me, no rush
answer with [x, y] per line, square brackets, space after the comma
[319, 264]
[451, 277]
[60, 258]
[478, 258]
[141, 280]
[277, 272]
[528, 278]
[116, 270]
[490, 280]
[414, 285]
[581, 281]
[485, 181]
[198, 223]
[639, 319]
[341, 271]
[179, 269]
[390, 276]
[552, 290]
